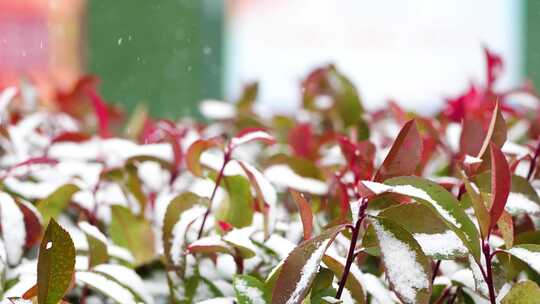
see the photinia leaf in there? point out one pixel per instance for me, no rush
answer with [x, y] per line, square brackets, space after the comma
[306, 215]
[353, 283]
[480, 210]
[97, 244]
[101, 111]
[300, 267]
[528, 253]
[429, 230]
[240, 240]
[127, 278]
[56, 202]
[496, 133]
[266, 194]
[472, 136]
[132, 232]
[104, 285]
[239, 210]
[506, 227]
[209, 245]
[249, 135]
[404, 156]
[13, 229]
[524, 292]
[56, 263]
[439, 200]
[70, 137]
[32, 221]
[181, 211]
[194, 152]
[303, 141]
[249, 290]
[406, 266]
[500, 183]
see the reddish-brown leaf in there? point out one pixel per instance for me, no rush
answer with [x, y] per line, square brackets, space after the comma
[405, 154]
[305, 213]
[249, 135]
[500, 183]
[194, 153]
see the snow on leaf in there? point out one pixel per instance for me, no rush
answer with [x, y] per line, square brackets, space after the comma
[55, 264]
[210, 244]
[442, 202]
[440, 245]
[217, 109]
[528, 253]
[240, 239]
[249, 290]
[519, 203]
[127, 278]
[300, 267]
[13, 228]
[97, 244]
[194, 152]
[106, 286]
[251, 134]
[354, 280]
[406, 266]
[284, 176]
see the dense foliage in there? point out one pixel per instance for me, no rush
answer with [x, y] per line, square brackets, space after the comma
[334, 204]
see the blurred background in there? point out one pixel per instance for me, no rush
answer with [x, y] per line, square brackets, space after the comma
[171, 54]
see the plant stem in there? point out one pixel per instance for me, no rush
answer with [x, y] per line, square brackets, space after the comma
[226, 159]
[533, 161]
[489, 273]
[435, 270]
[352, 247]
[239, 261]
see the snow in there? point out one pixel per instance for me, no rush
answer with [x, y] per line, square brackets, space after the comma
[120, 253]
[376, 288]
[209, 241]
[256, 135]
[471, 160]
[405, 273]
[106, 286]
[5, 98]
[217, 109]
[414, 192]
[518, 203]
[254, 295]
[93, 231]
[480, 283]
[308, 272]
[221, 300]
[331, 300]
[179, 232]
[128, 278]
[446, 244]
[284, 176]
[532, 258]
[14, 230]
[515, 149]
[240, 238]
[48, 245]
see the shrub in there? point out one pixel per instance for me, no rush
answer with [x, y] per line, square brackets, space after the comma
[334, 204]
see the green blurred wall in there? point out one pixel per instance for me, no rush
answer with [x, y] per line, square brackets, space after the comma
[166, 53]
[532, 41]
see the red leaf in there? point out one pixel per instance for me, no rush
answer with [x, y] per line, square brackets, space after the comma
[224, 226]
[302, 140]
[359, 157]
[405, 154]
[71, 137]
[100, 111]
[305, 213]
[494, 66]
[32, 223]
[500, 183]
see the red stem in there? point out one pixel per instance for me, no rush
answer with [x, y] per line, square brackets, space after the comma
[489, 273]
[226, 159]
[352, 247]
[533, 161]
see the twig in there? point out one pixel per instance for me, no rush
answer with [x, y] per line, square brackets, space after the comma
[532, 166]
[435, 270]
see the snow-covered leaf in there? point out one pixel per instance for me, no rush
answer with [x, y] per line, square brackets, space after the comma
[353, 283]
[249, 135]
[249, 290]
[52, 205]
[284, 176]
[13, 228]
[105, 286]
[300, 267]
[194, 152]
[528, 253]
[128, 278]
[97, 244]
[440, 201]
[406, 266]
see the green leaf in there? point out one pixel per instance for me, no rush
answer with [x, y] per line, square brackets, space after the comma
[249, 290]
[239, 210]
[105, 285]
[176, 208]
[440, 201]
[132, 232]
[528, 253]
[54, 204]
[97, 244]
[56, 263]
[300, 268]
[480, 209]
[429, 230]
[406, 266]
[526, 292]
[353, 285]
